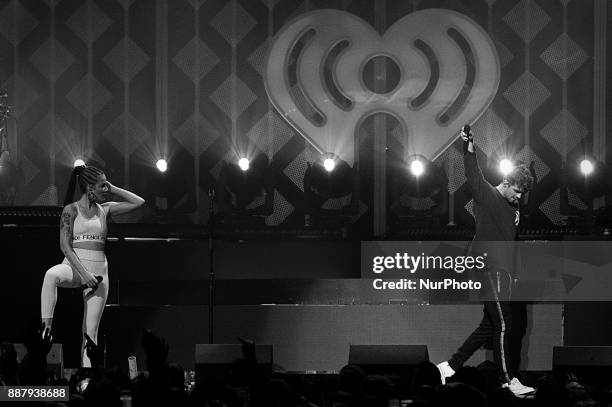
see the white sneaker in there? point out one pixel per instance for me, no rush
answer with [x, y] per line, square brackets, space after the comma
[445, 371]
[518, 388]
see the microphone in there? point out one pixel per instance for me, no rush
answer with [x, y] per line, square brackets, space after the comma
[84, 286]
[467, 130]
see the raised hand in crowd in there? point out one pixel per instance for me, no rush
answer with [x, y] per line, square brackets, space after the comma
[38, 341]
[33, 369]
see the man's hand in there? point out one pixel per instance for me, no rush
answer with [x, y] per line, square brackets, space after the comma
[467, 138]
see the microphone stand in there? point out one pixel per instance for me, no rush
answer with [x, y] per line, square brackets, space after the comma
[211, 269]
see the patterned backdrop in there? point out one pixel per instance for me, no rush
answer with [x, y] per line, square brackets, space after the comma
[124, 82]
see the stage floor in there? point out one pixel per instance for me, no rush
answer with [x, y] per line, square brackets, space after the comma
[317, 338]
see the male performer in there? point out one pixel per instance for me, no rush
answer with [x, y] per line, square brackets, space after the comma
[496, 212]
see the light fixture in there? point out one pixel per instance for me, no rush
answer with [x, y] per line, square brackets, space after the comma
[586, 167]
[329, 164]
[418, 192]
[417, 168]
[244, 163]
[589, 180]
[329, 191]
[78, 163]
[246, 189]
[162, 165]
[505, 167]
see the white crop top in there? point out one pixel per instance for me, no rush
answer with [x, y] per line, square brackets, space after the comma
[89, 229]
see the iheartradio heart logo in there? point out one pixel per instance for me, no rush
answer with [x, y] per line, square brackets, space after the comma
[447, 66]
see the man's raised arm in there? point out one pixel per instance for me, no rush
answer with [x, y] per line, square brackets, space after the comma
[474, 176]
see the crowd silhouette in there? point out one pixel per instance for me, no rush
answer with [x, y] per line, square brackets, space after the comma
[165, 384]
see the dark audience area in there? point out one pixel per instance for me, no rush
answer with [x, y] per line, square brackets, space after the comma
[245, 383]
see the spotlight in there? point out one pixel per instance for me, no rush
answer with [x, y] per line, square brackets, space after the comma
[244, 163]
[417, 168]
[591, 181]
[330, 195]
[586, 167]
[583, 182]
[78, 163]
[246, 195]
[417, 193]
[505, 167]
[161, 165]
[329, 164]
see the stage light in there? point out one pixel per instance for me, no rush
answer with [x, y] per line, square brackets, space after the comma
[582, 183]
[244, 163]
[417, 168]
[329, 196]
[161, 165]
[245, 196]
[591, 181]
[417, 193]
[505, 167]
[78, 163]
[329, 164]
[586, 167]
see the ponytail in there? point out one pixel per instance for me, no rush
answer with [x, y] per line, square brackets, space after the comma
[72, 184]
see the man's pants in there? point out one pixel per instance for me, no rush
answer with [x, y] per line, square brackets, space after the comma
[503, 325]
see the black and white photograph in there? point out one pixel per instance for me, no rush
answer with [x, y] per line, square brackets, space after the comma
[309, 203]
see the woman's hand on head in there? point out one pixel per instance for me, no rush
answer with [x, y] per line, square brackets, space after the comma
[108, 187]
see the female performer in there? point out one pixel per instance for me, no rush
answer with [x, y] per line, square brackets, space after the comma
[82, 238]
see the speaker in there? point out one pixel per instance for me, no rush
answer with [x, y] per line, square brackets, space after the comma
[388, 359]
[591, 364]
[226, 362]
[55, 358]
